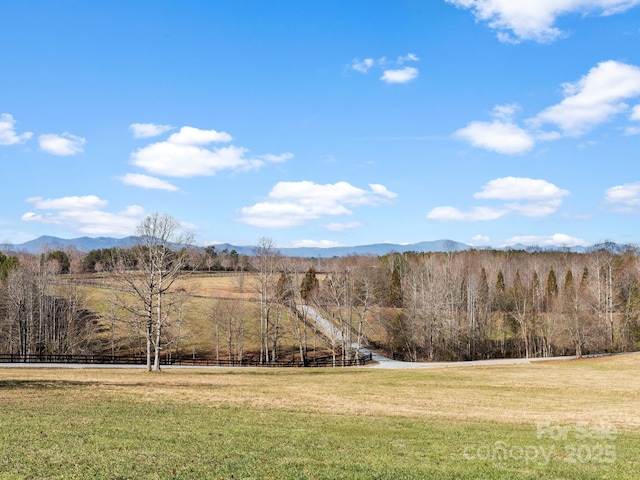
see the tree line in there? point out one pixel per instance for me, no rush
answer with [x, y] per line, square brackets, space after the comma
[38, 314]
[466, 305]
[434, 306]
[485, 304]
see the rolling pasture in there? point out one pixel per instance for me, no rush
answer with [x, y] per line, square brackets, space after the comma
[571, 420]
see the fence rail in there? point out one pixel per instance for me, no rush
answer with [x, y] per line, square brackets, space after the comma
[184, 361]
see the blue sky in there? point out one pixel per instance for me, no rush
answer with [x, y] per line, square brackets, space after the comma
[323, 123]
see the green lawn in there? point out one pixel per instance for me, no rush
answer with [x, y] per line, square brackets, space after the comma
[554, 420]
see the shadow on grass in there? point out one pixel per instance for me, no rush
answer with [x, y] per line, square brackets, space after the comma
[54, 384]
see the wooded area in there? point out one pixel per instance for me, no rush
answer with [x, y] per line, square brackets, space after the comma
[463, 305]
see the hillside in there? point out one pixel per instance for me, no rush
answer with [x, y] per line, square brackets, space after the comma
[86, 244]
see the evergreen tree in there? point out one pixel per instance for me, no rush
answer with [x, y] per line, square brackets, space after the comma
[6, 265]
[395, 289]
[61, 257]
[309, 285]
[550, 289]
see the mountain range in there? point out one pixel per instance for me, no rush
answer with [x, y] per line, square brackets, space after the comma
[86, 244]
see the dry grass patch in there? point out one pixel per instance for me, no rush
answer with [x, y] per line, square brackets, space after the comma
[603, 389]
[236, 285]
[315, 423]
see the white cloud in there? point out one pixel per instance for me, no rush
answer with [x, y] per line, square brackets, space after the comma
[538, 198]
[382, 190]
[500, 135]
[8, 135]
[402, 75]
[172, 160]
[578, 216]
[505, 112]
[635, 116]
[409, 57]
[513, 188]
[145, 181]
[392, 73]
[341, 227]
[480, 240]
[276, 158]
[61, 145]
[295, 203]
[362, 66]
[184, 154]
[313, 244]
[476, 214]
[196, 136]
[84, 214]
[556, 240]
[330, 194]
[283, 214]
[148, 130]
[625, 198]
[547, 136]
[86, 202]
[594, 99]
[535, 209]
[517, 20]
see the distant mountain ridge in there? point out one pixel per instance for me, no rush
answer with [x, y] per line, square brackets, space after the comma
[83, 244]
[374, 249]
[86, 244]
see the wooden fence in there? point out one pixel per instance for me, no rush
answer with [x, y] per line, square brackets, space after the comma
[184, 361]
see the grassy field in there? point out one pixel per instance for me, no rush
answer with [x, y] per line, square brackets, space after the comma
[198, 333]
[564, 420]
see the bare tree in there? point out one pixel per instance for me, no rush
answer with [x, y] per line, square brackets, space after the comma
[147, 273]
[41, 315]
[228, 320]
[602, 273]
[265, 262]
[521, 302]
[365, 295]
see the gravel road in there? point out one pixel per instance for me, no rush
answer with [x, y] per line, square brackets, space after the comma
[384, 362]
[332, 332]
